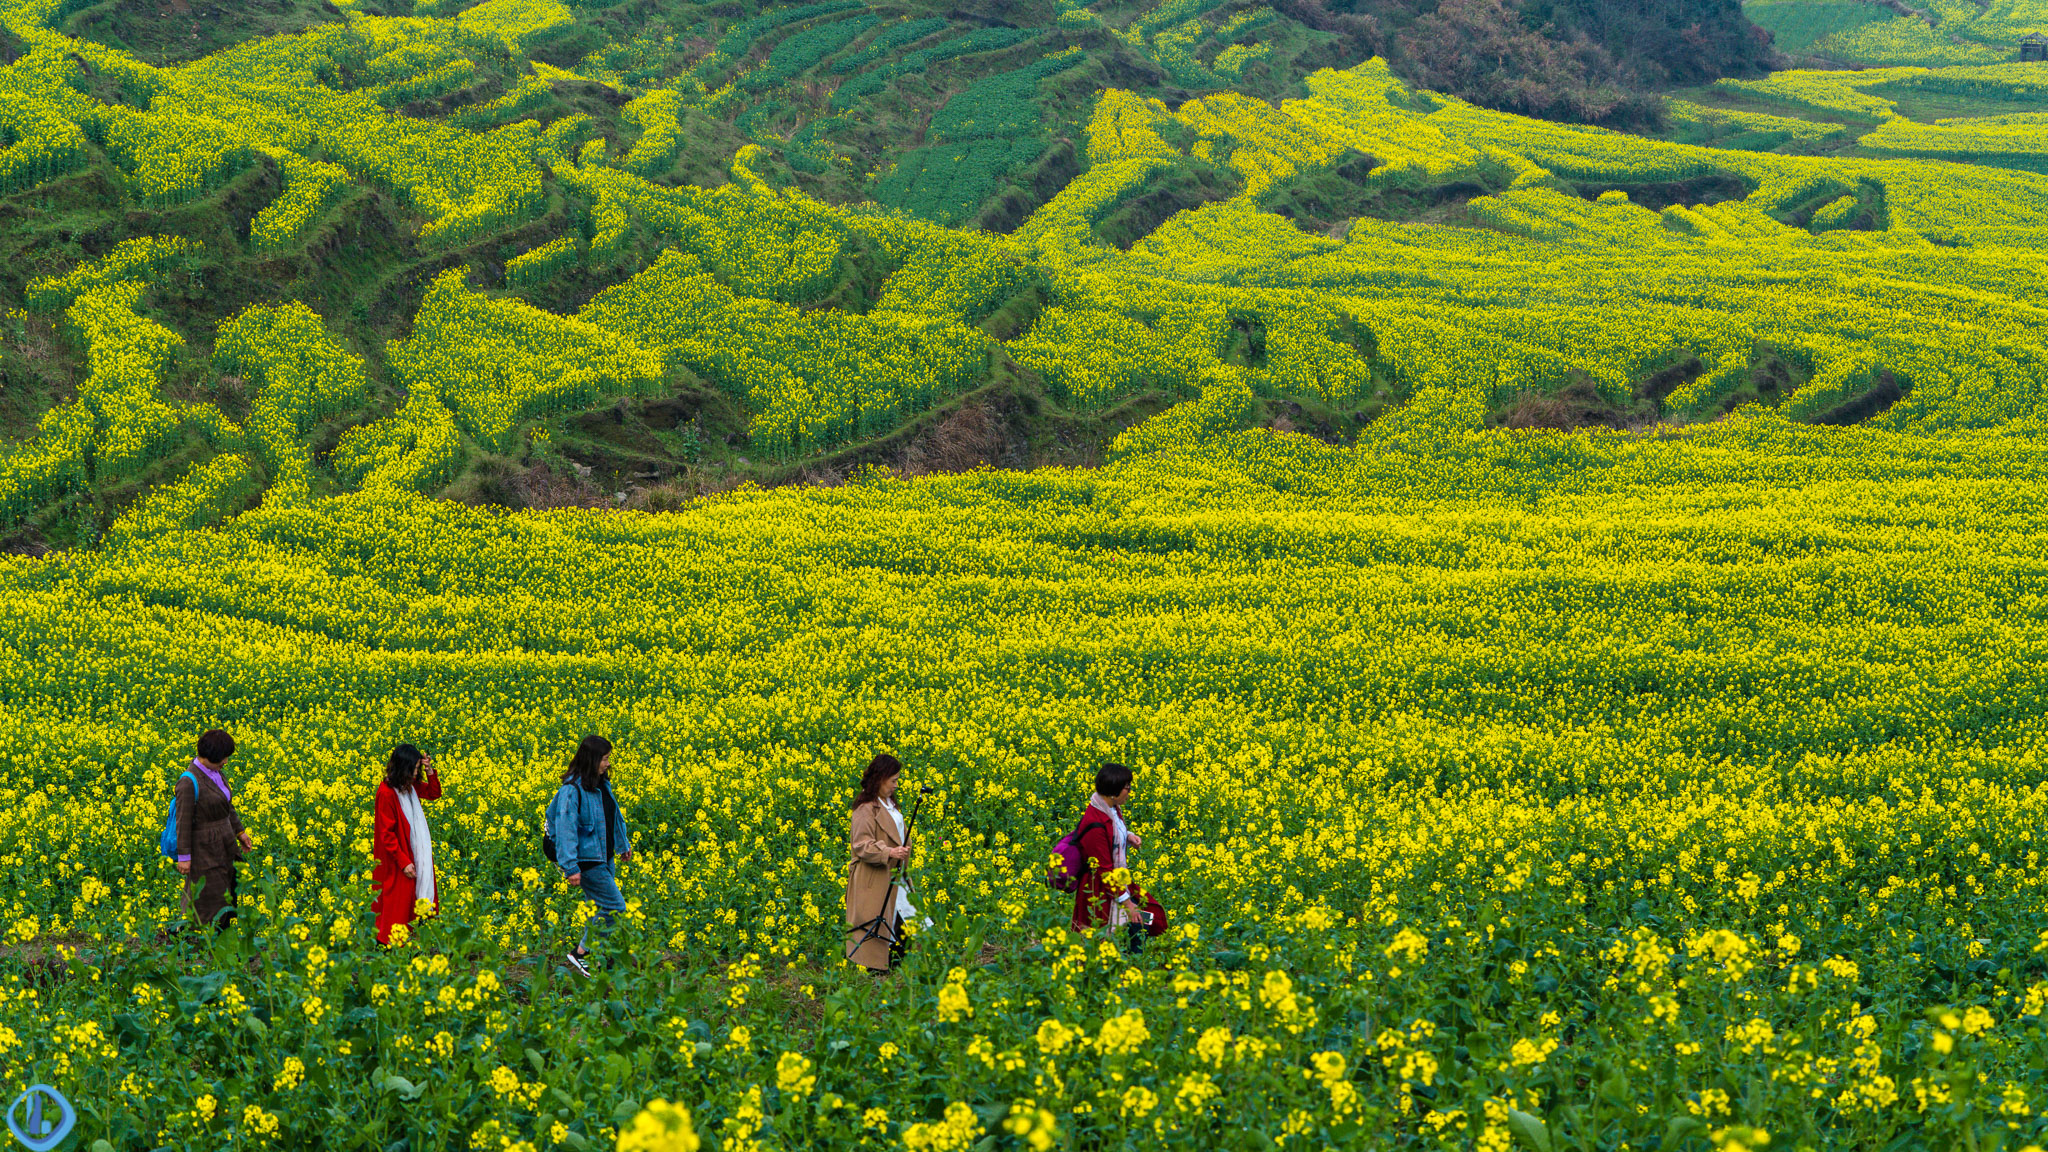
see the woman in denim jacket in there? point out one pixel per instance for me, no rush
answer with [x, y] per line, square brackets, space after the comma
[589, 832]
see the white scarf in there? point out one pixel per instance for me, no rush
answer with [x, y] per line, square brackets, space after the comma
[422, 844]
[904, 908]
[1119, 844]
[1120, 835]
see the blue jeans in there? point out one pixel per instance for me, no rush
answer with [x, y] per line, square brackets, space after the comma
[602, 890]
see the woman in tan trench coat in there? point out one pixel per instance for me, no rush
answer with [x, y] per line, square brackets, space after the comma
[877, 901]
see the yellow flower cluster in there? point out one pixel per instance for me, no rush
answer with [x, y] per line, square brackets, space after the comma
[495, 363]
[956, 1133]
[660, 1127]
[304, 377]
[537, 265]
[309, 186]
[954, 1005]
[660, 136]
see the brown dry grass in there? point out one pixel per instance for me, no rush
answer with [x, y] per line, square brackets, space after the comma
[680, 491]
[542, 487]
[968, 438]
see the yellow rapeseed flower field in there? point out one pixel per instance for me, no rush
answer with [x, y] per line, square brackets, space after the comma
[1675, 789]
[1642, 786]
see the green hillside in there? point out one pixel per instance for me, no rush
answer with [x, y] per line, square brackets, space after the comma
[1864, 33]
[531, 254]
[344, 157]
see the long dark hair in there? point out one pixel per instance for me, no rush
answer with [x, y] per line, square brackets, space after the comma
[403, 768]
[879, 769]
[583, 765]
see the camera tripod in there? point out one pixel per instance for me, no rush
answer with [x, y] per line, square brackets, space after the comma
[883, 924]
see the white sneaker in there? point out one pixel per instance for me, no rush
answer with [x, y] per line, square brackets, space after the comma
[577, 963]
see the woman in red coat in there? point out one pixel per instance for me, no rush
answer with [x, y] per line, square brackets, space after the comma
[1105, 843]
[402, 842]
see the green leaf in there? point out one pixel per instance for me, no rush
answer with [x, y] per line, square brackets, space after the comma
[406, 1089]
[257, 1028]
[202, 989]
[130, 1031]
[1529, 1131]
[1682, 1127]
[1907, 1139]
[624, 1112]
[533, 1058]
[991, 1114]
[230, 947]
[574, 1139]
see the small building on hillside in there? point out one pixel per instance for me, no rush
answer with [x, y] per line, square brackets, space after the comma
[2033, 46]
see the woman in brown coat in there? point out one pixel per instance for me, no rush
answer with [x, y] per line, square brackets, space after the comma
[210, 834]
[877, 899]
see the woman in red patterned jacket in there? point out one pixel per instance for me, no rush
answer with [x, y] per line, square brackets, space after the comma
[1106, 843]
[401, 840]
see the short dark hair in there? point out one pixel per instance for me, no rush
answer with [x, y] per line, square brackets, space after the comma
[403, 768]
[1111, 779]
[879, 769]
[215, 745]
[583, 765]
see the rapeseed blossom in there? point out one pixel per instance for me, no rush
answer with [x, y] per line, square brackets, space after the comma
[1723, 738]
[660, 1127]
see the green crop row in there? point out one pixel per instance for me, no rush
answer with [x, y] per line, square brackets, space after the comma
[980, 136]
[888, 40]
[980, 40]
[803, 51]
[741, 36]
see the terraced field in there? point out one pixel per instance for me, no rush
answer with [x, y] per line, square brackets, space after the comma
[1573, 598]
